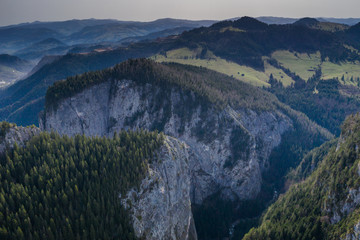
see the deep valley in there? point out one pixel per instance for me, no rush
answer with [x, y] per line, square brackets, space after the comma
[177, 129]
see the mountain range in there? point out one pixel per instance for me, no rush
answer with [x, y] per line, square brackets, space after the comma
[79, 32]
[237, 129]
[283, 20]
[246, 49]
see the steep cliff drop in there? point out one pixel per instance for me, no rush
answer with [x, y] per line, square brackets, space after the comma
[231, 128]
[161, 209]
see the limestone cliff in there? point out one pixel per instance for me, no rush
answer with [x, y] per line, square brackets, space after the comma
[229, 149]
[161, 208]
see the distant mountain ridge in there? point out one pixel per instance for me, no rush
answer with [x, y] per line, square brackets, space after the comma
[283, 20]
[49, 46]
[12, 68]
[16, 37]
[245, 42]
[116, 31]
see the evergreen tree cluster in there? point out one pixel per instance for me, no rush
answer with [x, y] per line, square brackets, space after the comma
[58, 187]
[328, 107]
[4, 127]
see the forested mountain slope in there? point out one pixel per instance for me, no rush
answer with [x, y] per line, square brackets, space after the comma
[326, 204]
[60, 187]
[312, 69]
[12, 69]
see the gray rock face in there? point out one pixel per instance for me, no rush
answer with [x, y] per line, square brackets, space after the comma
[18, 135]
[344, 207]
[340, 208]
[161, 209]
[229, 148]
[356, 234]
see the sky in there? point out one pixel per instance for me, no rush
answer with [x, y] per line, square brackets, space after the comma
[19, 11]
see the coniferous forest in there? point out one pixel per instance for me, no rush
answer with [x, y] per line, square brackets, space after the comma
[59, 187]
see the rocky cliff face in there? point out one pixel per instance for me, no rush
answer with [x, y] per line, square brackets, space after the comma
[16, 134]
[161, 208]
[229, 148]
[356, 233]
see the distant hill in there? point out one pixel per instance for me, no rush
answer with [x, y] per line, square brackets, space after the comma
[22, 101]
[277, 20]
[78, 32]
[282, 20]
[307, 22]
[352, 35]
[316, 24]
[63, 27]
[155, 35]
[13, 39]
[12, 68]
[115, 32]
[247, 40]
[347, 21]
[49, 46]
[12, 61]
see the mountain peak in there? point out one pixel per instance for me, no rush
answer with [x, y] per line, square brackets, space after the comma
[306, 22]
[249, 23]
[51, 41]
[355, 29]
[8, 60]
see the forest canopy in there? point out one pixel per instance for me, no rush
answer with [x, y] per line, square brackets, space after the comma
[57, 187]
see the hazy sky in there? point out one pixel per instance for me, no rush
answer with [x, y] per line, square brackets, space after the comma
[17, 11]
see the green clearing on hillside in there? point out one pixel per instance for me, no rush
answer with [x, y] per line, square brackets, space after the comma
[243, 73]
[302, 64]
[305, 65]
[278, 74]
[186, 56]
[350, 70]
[232, 29]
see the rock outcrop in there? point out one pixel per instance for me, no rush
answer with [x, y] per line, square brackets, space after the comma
[16, 134]
[355, 235]
[161, 208]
